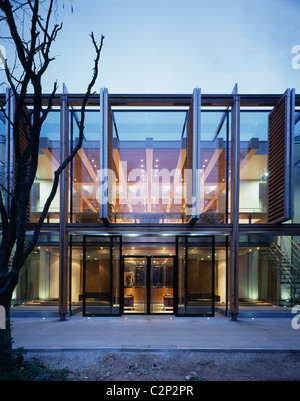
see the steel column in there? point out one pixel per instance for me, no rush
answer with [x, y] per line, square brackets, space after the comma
[234, 212]
[63, 235]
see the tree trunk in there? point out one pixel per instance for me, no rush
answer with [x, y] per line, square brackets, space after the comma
[5, 334]
[7, 286]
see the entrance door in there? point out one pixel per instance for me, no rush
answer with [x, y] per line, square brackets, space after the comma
[196, 275]
[148, 284]
[100, 279]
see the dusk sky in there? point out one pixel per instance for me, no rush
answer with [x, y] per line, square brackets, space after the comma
[173, 46]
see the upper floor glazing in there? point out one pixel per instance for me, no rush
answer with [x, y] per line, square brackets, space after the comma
[151, 160]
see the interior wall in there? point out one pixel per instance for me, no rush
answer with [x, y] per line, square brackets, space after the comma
[54, 276]
[44, 279]
[243, 276]
[97, 276]
[249, 196]
[76, 288]
[199, 276]
[221, 280]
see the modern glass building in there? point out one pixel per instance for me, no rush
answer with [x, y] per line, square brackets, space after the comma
[175, 204]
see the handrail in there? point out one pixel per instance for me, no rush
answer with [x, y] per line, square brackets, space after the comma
[296, 256]
[281, 267]
[289, 262]
[296, 252]
[297, 246]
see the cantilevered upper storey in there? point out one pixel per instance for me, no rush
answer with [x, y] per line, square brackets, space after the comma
[167, 159]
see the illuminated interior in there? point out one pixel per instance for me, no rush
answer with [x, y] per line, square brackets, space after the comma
[149, 160]
[162, 269]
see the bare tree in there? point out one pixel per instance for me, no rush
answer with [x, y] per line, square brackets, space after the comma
[33, 58]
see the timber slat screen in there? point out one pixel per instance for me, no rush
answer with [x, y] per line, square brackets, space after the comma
[281, 160]
[24, 131]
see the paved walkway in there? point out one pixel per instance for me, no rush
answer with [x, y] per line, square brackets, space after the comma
[156, 333]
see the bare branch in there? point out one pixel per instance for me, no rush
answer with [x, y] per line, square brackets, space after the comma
[10, 193]
[50, 103]
[58, 172]
[6, 7]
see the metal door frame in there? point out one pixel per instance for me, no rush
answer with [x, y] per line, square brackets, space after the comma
[110, 244]
[148, 284]
[212, 237]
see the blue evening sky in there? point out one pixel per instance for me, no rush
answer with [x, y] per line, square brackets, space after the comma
[173, 46]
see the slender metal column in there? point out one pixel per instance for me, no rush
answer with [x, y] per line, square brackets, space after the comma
[63, 236]
[234, 212]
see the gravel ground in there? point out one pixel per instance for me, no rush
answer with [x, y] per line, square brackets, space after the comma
[174, 366]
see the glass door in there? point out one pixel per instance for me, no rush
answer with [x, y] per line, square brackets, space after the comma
[99, 288]
[135, 284]
[148, 285]
[161, 285]
[196, 275]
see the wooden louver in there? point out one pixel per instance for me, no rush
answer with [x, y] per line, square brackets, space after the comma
[280, 198]
[24, 132]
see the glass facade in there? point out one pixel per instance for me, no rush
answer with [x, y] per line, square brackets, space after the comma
[214, 166]
[49, 160]
[253, 166]
[269, 271]
[39, 278]
[100, 279]
[84, 170]
[149, 154]
[152, 254]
